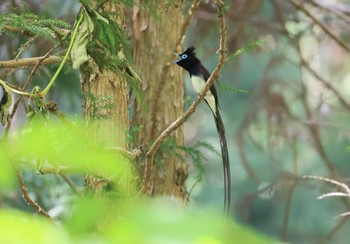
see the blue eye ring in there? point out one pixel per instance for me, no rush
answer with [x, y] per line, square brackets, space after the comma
[184, 56]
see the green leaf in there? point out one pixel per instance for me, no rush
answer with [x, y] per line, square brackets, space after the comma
[6, 169]
[251, 45]
[79, 53]
[230, 89]
[19, 227]
[62, 145]
[166, 222]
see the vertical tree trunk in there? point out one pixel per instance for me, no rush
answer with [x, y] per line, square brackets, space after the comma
[163, 91]
[105, 100]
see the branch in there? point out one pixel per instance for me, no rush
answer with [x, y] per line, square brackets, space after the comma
[60, 31]
[27, 198]
[178, 43]
[325, 28]
[336, 228]
[71, 184]
[25, 85]
[325, 179]
[25, 62]
[147, 185]
[75, 32]
[185, 25]
[327, 84]
[331, 9]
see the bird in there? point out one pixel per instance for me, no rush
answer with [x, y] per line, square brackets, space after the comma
[199, 75]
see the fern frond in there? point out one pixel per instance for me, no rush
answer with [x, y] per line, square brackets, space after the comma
[32, 24]
[251, 45]
[230, 89]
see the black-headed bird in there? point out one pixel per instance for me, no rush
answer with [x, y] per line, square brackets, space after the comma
[199, 76]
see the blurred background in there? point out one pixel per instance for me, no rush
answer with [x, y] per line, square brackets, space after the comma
[292, 121]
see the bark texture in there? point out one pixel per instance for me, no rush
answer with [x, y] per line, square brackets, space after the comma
[163, 91]
[105, 101]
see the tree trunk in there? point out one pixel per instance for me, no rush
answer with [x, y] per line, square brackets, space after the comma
[105, 101]
[163, 91]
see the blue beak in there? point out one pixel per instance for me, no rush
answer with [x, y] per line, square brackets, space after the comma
[178, 55]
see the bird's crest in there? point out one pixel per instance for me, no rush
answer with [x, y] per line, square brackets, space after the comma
[190, 51]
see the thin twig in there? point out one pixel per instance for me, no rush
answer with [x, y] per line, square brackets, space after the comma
[325, 28]
[327, 84]
[325, 179]
[147, 185]
[334, 194]
[343, 215]
[166, 66]
[71, 185]
[192, 187]
[339, 14]
[291, 188]
[185, 24]
[40, 61]
[336, 228]
[27, 198]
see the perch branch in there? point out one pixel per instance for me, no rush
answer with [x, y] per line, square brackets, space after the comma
[27, 198]
[168, 62]
[25, 62]
[147, 186]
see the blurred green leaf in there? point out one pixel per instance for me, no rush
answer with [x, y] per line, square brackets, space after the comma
[166, 222]
[19, 227]
[60, 144]
[6, 172]
[251, 45]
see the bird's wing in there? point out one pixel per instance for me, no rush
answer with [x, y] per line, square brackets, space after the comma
[206, 75]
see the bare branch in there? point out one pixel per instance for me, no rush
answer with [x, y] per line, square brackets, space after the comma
[333, 194]
[178, 43]
[26, 196]
[25, 85]
[346, 214]
[25, 62]
[334, 182]
[339, 225]
[71, 184]
[327, 84]
[185, 24]
[147, 185]
[326, 29]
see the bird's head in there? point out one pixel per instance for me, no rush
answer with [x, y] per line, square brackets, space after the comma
[187, 59]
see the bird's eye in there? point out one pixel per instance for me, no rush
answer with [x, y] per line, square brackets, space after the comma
[184, 56]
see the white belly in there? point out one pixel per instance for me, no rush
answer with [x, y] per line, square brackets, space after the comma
[198, 83]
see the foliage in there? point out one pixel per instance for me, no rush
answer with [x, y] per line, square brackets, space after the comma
[105, 41]
[251, 45]
[293, 119]
[230, 89]
[194, 152]
[98, 219]
[32, 24]
[95, 221]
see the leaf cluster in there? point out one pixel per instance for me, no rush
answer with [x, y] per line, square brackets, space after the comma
[250, 46]
[32, 25]
[105, 41]
[194, 152]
